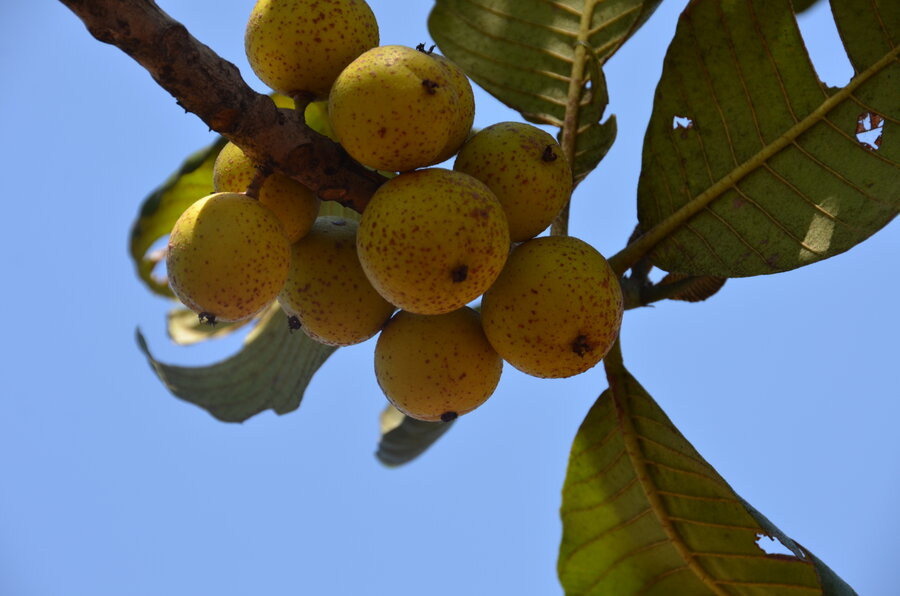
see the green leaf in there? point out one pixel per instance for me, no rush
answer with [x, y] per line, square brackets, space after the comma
[159, 211]
[764, 172]
[644, 513]
[185, 328]
[271, 371]
[536, 56]
[403, 438]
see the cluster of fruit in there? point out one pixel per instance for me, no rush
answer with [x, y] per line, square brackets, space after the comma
[430, 241]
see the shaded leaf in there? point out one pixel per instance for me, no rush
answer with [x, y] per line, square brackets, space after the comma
[751, 164]
[690, 288]
[159, 211]
[271, 371]
[644, 513]
[403, 438]
[536, 57]
[185, 328]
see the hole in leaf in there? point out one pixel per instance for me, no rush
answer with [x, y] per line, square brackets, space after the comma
[682, 122]
[770, 546]
[823, 43]
[869, 129]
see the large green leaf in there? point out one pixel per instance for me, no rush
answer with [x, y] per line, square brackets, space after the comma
[403, 438]
[644, 513]
[762, 171]
[271, 371]
[534, 56]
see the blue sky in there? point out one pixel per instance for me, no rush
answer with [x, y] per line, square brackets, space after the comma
[787, 384]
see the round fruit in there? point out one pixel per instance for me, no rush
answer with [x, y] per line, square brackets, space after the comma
[227, 257]
[463, 125]
[396, 109]
[298, 47]
[436, 367]
[295, 205]
[327, 290]
[433, 240]
[555, 310]
[526, 169]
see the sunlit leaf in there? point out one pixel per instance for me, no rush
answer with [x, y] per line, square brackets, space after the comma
[185, 328]
[271, 371]
[159, 211]
[535, 57]
[644, 513]
[403, 438]
[751, 165]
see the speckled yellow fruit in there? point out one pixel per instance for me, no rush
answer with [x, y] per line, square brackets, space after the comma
[396, 108]
[436, 367]
[433, 240]
[298, 47]
[327, 290]
[555, 310]
[463, 125]
[295, 205]
[526, 169]
[227, 257]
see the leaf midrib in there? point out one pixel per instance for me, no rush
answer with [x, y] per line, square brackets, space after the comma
[623, 260]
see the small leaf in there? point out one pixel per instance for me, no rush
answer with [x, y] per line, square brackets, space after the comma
[644, 513]
[185, 328]
[593, 138]
[692, 289]
[271, 371]
[403, 438]
[751, 164]
[159, 211]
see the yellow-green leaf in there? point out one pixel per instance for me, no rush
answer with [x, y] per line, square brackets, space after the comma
[271, 371]
[644, 513]
[751, 164]
[403, 438]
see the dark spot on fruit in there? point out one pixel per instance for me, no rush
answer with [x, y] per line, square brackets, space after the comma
[207, 317]
[580, 346]
[294, 324]
[460, 274]
[549, 154]
[430, 86]
[449, 416]
[381, 132]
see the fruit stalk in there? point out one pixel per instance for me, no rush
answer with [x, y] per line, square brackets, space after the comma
[212, 88]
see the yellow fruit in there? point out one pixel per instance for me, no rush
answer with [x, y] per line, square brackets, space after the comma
[433, 240]
[327, 290]
[555, 310]
[436, 367]
[227, 257]
[526, 169]
[316, 116]
[298, 47]
[396, 109]
[463, 125]
[295, 205]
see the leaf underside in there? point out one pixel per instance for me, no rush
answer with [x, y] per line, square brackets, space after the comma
[523, 52]
[751, 164]
[644, 513]
[271, 371]
[403, 438]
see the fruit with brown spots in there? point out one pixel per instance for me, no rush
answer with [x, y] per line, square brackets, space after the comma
[462, 125]
[526, 169]
[327, 290]
[298, 47]
[555, 310]
[436, 367]
[295, 205]
[396, 108]
[227, 257]
[433, 240]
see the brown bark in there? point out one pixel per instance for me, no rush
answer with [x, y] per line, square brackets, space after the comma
[212, 88]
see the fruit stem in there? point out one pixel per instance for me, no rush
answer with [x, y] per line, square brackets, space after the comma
[259, 177]
[301, 100]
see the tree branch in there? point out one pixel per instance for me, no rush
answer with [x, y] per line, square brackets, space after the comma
[212, 88]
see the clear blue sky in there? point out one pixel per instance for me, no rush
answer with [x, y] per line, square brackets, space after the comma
[788, 384]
